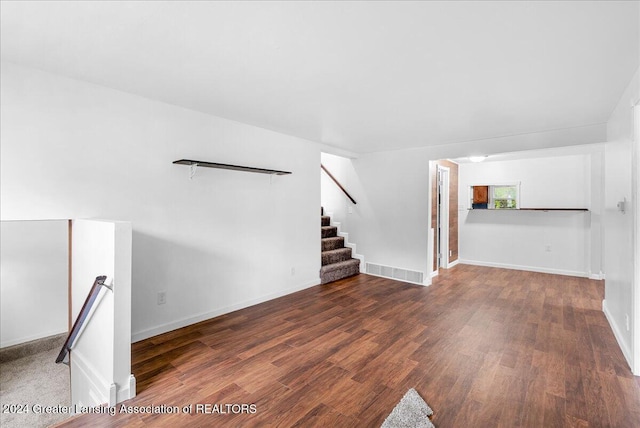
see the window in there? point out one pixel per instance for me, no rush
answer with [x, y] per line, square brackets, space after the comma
[504, 197]
[495, 197]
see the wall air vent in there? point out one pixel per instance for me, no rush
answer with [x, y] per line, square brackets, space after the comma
[399, 274]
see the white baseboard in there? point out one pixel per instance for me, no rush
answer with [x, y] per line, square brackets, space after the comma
[128, 391]
[164, 328]
[597, 276]
[453, 263]
[525, 268]
[617, 332]
[437, 271]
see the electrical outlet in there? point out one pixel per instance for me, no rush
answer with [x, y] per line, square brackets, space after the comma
[293, 271]
[450, 253]
[162, 297]
[547, 248]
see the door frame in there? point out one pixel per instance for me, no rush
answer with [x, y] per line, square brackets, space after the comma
[635, 209]
[442, 216]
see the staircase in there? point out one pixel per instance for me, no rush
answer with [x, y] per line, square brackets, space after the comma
[337, 262]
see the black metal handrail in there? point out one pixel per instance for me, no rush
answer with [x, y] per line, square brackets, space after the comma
[338, 183]
[82, 316]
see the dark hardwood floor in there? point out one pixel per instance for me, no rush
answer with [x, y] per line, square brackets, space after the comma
[484, 347]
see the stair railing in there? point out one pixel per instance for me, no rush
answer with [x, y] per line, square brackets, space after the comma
[82, 317]
[338, 183]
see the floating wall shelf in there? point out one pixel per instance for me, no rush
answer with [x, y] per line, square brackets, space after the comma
[554, 209]
[231, 167]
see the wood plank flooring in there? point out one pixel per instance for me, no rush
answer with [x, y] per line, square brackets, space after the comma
[483, 346]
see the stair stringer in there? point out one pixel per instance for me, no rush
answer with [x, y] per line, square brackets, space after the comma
[348, 244]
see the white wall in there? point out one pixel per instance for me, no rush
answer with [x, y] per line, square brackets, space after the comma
[636, 245]
[596, 207]
[520, 239]
[391, 221]
[221, 241]
[34, 282]
[618, 238]
[101, 356]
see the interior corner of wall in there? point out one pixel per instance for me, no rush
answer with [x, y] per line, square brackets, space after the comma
[617, 333]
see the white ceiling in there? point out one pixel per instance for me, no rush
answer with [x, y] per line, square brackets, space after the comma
[361, 76]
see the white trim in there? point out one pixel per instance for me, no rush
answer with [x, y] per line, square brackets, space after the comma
[435, 273]
[348, 244]
[626, 351]
[430, 240]
[525, 268]
[442, 194]
[128, 391]
[99, 388]
[164, 328]
[597, 276]
[113, 388]
[635, 210]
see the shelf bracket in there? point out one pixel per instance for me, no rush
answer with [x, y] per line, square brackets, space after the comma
[192, 170]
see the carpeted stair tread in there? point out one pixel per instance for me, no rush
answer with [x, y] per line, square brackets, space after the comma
[337, 261]
[336, 271]
[329, 231]
[340, 265]
[335, 256]
[332, 243]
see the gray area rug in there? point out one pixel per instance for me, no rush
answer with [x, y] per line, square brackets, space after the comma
[410, 412]
[34, 380]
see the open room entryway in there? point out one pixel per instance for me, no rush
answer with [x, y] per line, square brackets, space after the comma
[48, 268]
[34, 298]
[338, 253]
[442, 217]
[444, 214]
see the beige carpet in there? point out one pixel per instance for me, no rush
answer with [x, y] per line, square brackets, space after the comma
[34, 380]
[410, 412]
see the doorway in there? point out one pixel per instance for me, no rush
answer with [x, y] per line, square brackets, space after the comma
[442, 217]
[444, 206]
[635, 192]
[34, 300]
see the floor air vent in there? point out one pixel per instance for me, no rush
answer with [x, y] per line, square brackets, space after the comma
[395, 273]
